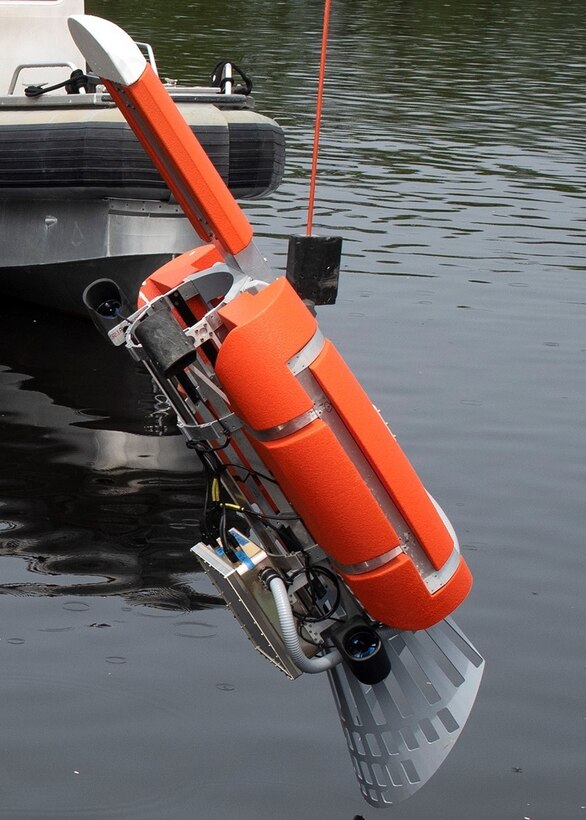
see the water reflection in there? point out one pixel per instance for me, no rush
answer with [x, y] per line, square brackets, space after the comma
[97, 497]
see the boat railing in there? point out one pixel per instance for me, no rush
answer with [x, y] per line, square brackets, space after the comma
[23, 66]
[146, 48]
[149, 54]
[221, 93]
[181, 94]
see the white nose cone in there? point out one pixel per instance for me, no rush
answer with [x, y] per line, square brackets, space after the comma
[108, 50]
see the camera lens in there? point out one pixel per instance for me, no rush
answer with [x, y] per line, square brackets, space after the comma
[109, 308]
[362, 644]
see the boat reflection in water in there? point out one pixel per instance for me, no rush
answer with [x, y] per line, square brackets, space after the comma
[99, 494]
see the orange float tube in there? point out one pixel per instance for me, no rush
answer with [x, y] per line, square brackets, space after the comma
[337, 461]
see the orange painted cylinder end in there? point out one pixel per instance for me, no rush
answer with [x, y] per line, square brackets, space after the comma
[394, 594]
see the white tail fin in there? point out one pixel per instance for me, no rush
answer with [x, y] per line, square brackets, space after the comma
[400, 731]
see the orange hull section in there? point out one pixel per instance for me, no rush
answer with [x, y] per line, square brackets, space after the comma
[182, 162]
[341, 468]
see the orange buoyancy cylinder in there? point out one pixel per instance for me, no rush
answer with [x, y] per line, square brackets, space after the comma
[337, 461]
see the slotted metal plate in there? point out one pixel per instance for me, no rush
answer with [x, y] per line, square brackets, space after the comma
[400, 731]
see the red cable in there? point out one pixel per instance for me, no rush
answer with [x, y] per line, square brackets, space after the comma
[318, 110]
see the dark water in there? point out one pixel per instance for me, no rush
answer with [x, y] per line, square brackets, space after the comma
[453, 164]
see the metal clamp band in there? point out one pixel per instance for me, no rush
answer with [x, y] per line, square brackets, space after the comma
[288, 427]
[372, 563]
[211, 430]
[293, 425]
[308, 354]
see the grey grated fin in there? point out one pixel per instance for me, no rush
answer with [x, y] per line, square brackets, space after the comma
[400, 731]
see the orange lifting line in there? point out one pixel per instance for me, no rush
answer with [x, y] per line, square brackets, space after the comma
[305, 413]
[318, 113]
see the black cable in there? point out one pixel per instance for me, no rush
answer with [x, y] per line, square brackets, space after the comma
[218, 81]
[205, 520]
[250, 472]
[315, 571]
[76, 81]
[206, 447]
[227, 547]
[214, 521]
[277, 517]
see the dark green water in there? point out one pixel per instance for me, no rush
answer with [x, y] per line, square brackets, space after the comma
[452, 163]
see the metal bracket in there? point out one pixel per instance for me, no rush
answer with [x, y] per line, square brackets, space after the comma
[211, 430]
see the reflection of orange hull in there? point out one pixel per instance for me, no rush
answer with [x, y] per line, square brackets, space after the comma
[337, 461]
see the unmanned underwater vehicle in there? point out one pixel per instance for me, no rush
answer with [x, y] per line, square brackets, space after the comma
[316, 529]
